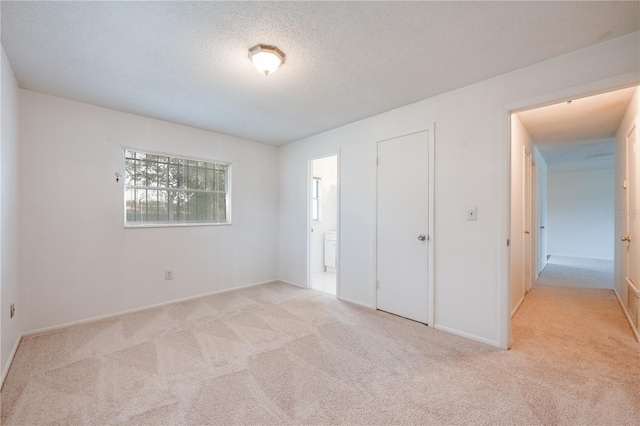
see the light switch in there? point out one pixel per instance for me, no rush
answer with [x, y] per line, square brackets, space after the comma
[472, 213]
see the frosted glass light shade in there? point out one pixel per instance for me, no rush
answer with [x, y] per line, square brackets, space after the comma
[266, 59]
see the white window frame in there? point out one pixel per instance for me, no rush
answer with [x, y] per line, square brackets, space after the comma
[138, 225]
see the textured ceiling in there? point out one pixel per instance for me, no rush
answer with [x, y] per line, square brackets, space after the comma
[578, 135]
[187, 61]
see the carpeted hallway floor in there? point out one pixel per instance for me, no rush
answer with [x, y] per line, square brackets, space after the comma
[276, 354]
[567, 271]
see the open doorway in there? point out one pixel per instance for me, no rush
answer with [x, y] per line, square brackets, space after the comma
[323, 220]
[569, 180]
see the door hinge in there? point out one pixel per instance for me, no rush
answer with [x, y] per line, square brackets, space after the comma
[508, 242]
[377, 283]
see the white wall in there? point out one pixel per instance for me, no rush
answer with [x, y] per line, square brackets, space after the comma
[580, 219]
[79, 262]
[471, 170]
[326, 169]
[632, 113]
[9, 217]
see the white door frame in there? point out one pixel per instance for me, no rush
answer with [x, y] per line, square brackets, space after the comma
[593, 88]
[535, 213]
[310, 221]
[430, 129]
[527, 213]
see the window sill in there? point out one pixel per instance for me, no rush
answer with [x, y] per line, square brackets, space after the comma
[174, 225]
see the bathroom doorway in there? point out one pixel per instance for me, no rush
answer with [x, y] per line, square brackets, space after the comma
[323, 220]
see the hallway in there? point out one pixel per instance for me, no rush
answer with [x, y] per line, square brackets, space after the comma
[577, 342]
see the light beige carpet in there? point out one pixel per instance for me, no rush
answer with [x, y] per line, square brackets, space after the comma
[276, 354]
[577, 272]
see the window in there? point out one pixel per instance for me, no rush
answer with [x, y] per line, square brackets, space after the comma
[164, 190]
[315, 197]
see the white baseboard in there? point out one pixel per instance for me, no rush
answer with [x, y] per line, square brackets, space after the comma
[517, 307]
[573, 256]
[143, 308]
[5, 371]
[626, 314]
[353, 302]
[545, 262]
[291, 283]
[468, 336]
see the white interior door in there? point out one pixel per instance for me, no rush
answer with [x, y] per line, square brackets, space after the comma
[403, 226]
[527, 222]
[541, 222]
[632, 273]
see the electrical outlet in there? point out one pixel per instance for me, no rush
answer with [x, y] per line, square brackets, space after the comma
[12, 310]
[168, 275]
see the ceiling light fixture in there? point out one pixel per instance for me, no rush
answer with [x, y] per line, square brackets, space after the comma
[266, 59]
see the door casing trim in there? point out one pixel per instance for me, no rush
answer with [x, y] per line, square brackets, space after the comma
[616, 82]
[310, 222]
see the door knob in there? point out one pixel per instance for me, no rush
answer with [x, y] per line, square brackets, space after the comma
[422, 237]
[627, 239]
[542, 227]
[527, 232]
